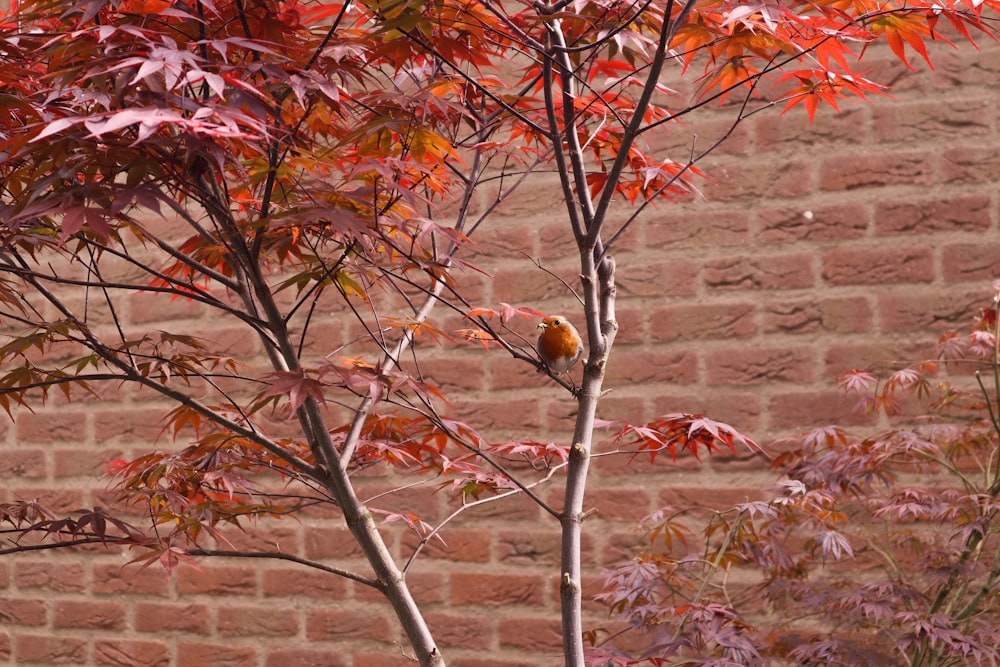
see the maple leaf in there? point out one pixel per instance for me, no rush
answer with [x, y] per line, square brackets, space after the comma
[297, 385]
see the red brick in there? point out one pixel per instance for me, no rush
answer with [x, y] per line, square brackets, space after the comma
[217, 580]
[630, 408]
[88, 614]
[264, 537]
[708, 129]
[22, 462]
[257, 621]
[353, 623]
[530, 547]
[515, 415]
[711, 494]
[766, 180]
[132, 425]
[969, 213]
[641, 366]
[172, 617]
[889, 70]
[531, 196]
[298, 581]
[874, 356]
[305, 658]
[714, 229]
[811, 316]
[131, 653]
[621, 546]
[465, 544]
[759, 272]
[979, 163]
[825, 223]
[542, 636]
[215, 655]
[15, 611]
[113, 579]
[149, 307]
[967, 262]
[424, 501]
[512, 509]
[233, 341]
[50, 650]
[527, 548]
[496, 589]
[782, 132]
[389, 658]
[318, 342]
[932, 120]
[59, 576]
[426, 587]
[49, 427]
[851, 170]
[658, 279]
[746, 366]
[700, 322]
[455, 374]
[82, 462]
[555, 242]
[529, 285]
[506, 372]
[324, 542]
[462, 661]
[617, 239]
[961, 68]
[800, 410]
[618, 504]
[932, 311]
[466, 631]
[631, 325]
[6, 646]
[560, 410]
[860, 266]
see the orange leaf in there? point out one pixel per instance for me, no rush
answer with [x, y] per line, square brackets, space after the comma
[144, 7]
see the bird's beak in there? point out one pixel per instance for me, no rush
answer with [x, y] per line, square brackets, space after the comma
[542, 325]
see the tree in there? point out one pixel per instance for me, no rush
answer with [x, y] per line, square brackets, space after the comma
[272, 161]
[878, 549]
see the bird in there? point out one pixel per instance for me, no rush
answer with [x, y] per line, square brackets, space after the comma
[559, 344]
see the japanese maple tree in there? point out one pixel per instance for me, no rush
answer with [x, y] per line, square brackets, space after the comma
[273, 161]
[880, 548]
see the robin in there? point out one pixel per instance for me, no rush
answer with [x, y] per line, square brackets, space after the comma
[559, 344]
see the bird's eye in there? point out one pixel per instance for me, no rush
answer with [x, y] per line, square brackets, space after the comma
[556, 322]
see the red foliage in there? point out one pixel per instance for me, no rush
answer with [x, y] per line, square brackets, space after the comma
[872, 550]
[284, 164]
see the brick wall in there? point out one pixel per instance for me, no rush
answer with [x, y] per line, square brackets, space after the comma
[816, 248]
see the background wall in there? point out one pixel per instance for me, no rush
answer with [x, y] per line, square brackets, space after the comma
[850, 242]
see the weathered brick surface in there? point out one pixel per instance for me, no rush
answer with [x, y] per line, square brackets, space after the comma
[348, 623]
[200, 654]
[305, 658]
[131, 653]
[88, 614]
[169, 617]
[848, 243]
[49, 649]
[491, 588]
[254, 621]
[861, 266]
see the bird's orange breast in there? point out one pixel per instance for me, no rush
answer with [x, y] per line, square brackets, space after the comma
[559, 341]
